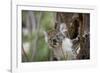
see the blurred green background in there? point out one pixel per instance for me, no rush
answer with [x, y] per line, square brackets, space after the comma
[34, 47]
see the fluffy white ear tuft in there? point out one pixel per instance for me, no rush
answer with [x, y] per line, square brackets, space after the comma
[63, 27]
[45, 36]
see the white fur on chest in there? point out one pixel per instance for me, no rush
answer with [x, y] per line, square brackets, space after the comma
[67, 45]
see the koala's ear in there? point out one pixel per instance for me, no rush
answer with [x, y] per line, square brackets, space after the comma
[45, 36]
[63, 27]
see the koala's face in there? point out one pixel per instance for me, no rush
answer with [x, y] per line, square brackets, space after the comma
[56, 36]
[55, 39]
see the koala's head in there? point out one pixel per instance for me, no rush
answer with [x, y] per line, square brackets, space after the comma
[54, 37]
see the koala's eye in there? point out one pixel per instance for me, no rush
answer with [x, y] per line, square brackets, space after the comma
[54, 41]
